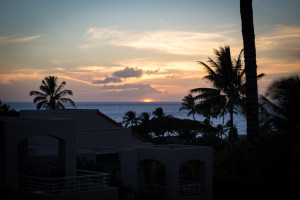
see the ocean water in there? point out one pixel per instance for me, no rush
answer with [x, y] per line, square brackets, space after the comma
[116, 110]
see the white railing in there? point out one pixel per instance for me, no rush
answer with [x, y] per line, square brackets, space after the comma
[189, 188]
[84, 181]
[155, 184]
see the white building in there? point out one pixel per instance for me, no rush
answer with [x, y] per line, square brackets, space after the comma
[56, 137]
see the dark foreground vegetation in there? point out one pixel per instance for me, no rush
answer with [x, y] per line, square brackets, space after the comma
[5, 111]
[278, 168]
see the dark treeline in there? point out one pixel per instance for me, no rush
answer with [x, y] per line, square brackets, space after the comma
[6, 111]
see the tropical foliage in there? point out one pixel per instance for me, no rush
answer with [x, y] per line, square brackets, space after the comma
[129, 119]
[188, 103]
[280, 106]
[158, 113]
[52, 95]
[227, 77]
[6, 111]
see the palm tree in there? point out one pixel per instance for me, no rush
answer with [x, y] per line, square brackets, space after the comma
[129, 119]
[188, 103]
[6, 111]
[144, 123]
[246, 11]
[281, 112]
[159, 113]
[52, 95]
[227, 77]
[144, 118]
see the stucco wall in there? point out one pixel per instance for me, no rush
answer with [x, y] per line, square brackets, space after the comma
[16, 132]
[92, 128]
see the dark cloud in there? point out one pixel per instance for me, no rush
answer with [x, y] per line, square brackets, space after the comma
[132, 94]
[153, 71]
[108, 80]
[128, 73]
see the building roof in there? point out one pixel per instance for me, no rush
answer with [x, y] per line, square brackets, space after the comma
[120, 125]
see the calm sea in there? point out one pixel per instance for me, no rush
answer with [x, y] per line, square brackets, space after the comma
[117, 110]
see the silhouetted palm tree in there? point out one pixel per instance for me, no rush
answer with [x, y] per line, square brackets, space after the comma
[188, 103]
[52, 95]
[159, 113]
[129, 119]
[144, 124]
[144, 118]
[6, 111]
[227, 77]
[281, 112]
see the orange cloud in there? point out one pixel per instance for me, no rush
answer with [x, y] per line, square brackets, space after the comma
[166, 41]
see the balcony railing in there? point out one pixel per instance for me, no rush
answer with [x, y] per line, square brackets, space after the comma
[83, 181]
[155, 184]
[190, 188]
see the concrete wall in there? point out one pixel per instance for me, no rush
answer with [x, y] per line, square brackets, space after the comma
[110, 137]
[129, 168]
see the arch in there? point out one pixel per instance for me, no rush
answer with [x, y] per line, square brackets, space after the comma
[34, 133]
[16, 134]
[192, 177]
[42, 155]
[152, 176]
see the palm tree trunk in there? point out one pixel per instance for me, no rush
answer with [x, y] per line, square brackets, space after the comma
[231, 140]
[251, 87]
[251, 76]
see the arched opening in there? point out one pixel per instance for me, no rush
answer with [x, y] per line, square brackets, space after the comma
[41, 156]
[192, 178]
[152, 176]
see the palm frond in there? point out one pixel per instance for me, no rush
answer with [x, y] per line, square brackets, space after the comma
[271, 107]
[260, 76]
[67, 100]
[63, 93]
[60, 105]
[212, 75]
[42, 104]
[204, 90]
[39, 98]
[36, 93]
[59, 88]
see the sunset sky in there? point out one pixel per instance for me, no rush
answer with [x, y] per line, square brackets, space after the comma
[132, 50]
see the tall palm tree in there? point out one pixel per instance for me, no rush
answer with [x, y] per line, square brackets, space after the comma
[246, 11]
[227, 77]
[129, 119]
[188, 103]
[52, 94]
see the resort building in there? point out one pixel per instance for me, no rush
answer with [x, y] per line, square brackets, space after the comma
[76, 154]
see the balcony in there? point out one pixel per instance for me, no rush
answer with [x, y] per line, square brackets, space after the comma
[83, 181]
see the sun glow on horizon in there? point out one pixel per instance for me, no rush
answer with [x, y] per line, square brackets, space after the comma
[147, 100]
